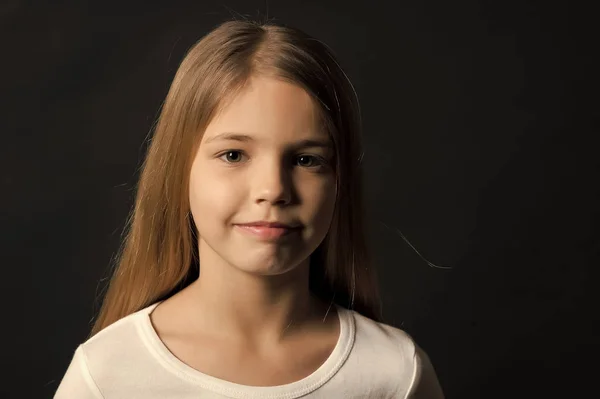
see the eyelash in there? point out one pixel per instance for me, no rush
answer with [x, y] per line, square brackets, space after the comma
[321, 161]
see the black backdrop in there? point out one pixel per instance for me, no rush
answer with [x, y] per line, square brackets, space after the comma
[479, 125]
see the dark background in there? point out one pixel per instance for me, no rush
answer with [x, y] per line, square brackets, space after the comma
[479, 123]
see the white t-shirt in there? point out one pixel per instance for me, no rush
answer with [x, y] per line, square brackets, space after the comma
[128, 360]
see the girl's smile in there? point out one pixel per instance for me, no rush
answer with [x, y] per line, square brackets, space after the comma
[266, 231]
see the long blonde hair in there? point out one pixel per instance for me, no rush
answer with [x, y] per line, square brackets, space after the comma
[159, 255]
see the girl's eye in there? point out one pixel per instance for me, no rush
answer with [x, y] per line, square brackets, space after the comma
[309, 161]
[232, 156]
[305, 161]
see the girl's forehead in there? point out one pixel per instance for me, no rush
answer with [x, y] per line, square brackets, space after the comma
[267, 108]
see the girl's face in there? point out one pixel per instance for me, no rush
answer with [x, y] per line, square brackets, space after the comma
[263, 158]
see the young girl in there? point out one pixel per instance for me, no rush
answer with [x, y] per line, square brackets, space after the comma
[245, 273]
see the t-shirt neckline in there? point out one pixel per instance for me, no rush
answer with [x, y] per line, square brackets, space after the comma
[292, 390]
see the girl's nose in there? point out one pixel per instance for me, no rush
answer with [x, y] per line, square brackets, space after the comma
[272, 184]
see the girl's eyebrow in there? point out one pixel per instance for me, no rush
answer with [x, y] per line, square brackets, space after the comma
[228, 136]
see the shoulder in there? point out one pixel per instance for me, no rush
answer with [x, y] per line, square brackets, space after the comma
[384, 338]
[77, 381]
[119, 338]
[425, 384]
[398, 361]
[106, 359]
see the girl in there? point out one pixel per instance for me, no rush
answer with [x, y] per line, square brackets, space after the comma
[244, 273]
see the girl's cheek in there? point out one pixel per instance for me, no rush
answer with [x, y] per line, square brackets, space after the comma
[219, 193]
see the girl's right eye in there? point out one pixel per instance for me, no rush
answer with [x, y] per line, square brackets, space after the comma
[231, 156]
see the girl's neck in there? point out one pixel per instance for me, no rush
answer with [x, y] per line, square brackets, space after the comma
[234, 304]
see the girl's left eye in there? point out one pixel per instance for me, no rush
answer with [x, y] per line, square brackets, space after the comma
[309, 161]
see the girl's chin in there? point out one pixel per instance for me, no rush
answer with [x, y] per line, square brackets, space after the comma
[267, 265]
[262, 270]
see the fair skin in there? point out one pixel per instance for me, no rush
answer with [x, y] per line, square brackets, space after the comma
[263, 157]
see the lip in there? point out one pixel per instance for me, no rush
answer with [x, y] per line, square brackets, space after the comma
[267, 230]
[268, 224]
